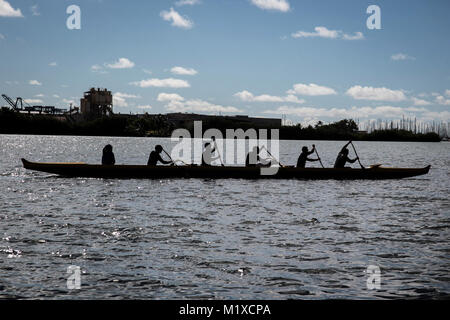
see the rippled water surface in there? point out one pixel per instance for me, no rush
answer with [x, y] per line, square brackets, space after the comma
[222, 239]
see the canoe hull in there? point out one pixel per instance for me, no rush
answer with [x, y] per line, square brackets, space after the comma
[217, 172]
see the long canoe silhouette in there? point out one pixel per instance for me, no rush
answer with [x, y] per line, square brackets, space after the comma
[218, 172]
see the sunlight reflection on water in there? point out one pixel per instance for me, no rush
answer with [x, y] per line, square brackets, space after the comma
[240, 239]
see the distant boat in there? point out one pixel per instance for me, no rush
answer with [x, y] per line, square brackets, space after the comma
[217, 172]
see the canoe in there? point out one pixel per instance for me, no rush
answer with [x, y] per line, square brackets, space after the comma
[217, 172]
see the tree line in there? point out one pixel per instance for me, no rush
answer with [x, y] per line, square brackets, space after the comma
[158, 126]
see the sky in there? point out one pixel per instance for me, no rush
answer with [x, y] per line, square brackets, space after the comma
[306, 60]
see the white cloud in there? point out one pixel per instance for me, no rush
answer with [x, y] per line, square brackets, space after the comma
[414, 109]
[123, 63]
[293, 99]
[436, 115]
[40, 95]
[197, 105]
[98, 69]
[177, 19]
[303, 111]
[420, 102]
[245, 95]
[68, 101]
[376, 94]
[442, 100]
[311, 90]
[119, 99]
[276, 5]
[147, 71]
[53, 64]
[35, 83]
[35, 10]
[323, 32]
[32, 101]
[160, 83]
[177, 103]
[119, 102]
[126, 95]
[183, 71]
[249, 97]
[353, 112]
[187, 2]
[357, 36]
[309, 112]
[6, 10]
[401, 56]
[144, 107]
[55, 96]
[169, 97]
[447, 93]
[267, 98]
[2, 37]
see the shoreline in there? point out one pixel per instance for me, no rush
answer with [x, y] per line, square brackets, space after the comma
[168, 137]
[160, 127]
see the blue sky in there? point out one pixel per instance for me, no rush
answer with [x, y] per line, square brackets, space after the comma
[308, 60]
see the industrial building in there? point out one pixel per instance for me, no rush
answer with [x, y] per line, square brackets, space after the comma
[96, 103]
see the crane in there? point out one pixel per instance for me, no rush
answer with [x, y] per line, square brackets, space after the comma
[22, 105]
[15, 105]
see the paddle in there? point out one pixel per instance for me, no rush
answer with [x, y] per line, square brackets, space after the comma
[318, 156]
[181, 162]
[268, 152]
[217, 149]
[169, 157]
[174, 162]
[354, 149]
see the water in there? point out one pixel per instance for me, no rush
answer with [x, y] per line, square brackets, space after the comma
[221, 239]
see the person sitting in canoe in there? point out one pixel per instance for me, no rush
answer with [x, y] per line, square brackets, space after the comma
[155, 156]
[207, 156]
[343, 158]
[108, 158]
[253, 159]
[301, 162]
